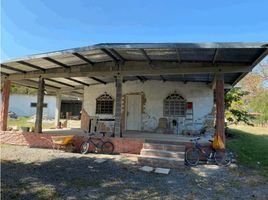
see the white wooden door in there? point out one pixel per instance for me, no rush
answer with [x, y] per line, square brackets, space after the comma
[133, 114]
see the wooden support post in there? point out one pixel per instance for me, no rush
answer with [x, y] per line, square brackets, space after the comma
[5, 105]
[58, 109]
[220, 106]
[117, 125]
[39, 106]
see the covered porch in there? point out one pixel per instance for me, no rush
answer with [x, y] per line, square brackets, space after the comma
[219, 66]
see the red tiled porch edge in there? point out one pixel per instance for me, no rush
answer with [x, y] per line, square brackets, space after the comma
[122, 145]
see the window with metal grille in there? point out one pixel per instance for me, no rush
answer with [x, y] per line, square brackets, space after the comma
[104, 104]
[174, 106]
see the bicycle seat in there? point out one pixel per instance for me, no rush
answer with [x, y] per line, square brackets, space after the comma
[210, 141]
[91, 134]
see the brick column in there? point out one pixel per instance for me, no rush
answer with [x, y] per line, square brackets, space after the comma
[118, 102]
[58, 109]
[220, 106]
[39, 106]
[5, 105]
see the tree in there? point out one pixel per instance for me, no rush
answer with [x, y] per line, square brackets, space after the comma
[235, 107]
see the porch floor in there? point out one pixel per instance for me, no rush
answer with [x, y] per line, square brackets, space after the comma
[131, 134]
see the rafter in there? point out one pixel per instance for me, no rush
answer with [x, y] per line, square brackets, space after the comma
[56, 62]
[59, 82]
[146, 56]
[31, 65]
[110, 55]
[83, 58]
[77, 81]
[163, 78]
[215, 56]
[98, 80]
[12, 68]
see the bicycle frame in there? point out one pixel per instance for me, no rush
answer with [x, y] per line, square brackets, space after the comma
[208, 155]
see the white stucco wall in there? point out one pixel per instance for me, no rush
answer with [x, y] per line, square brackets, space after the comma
[155, 92]
[21, 105]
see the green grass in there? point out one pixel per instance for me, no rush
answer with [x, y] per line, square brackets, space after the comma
[250, 144]
[23, 122]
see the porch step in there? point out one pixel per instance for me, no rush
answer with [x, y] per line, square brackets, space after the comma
[157, 161]
[154, 141]
[164, 147]
[162, 153]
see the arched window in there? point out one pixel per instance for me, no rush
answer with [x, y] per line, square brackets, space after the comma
[104, 104]
[174, 106]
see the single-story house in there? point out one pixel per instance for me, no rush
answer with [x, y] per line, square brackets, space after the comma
[159, 87]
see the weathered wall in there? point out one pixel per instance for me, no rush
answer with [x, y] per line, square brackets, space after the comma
[155, 92]
[21, 105]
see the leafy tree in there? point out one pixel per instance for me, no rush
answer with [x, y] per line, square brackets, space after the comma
[235, 107]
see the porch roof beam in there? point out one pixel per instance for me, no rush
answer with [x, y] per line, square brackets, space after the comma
[59, 82]
[108, 53]
[31, 65]
[83, 58]
[98, 80]
[258, 60]
[118, 55]
[134, 68]
[215, 56]
[34, 84]
[146, 56]
[77, 81]
[56, 62]
[12, 68]
[178, 55]
[163, 78]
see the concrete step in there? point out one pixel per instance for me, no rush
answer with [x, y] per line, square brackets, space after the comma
[156, 161]
[162, 153]
[164, 147]
[155, 141]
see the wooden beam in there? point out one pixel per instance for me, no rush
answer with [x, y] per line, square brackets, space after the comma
[133, 68]
[34, 84]
[257, 61]
[163, 78]
[83, 58]
[215, 56]
[56, 62]
[5, 105]
[77, 81]
[31, 65]
[39, 106]
[12, 68]
[146, 56]
[178, 55]
[118, 55]
[98, 80]
[110, 55]
[219, 91]
[59, 82]
[118, 106]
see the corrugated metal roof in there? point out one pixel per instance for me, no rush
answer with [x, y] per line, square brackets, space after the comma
[216, 53]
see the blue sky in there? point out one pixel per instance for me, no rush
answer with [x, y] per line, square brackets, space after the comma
[35, 26]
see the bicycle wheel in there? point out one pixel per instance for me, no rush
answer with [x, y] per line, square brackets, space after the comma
[223, 157]
[192, 157]
[107, 148]
[84, 147]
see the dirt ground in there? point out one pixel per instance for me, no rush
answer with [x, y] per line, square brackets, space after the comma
[30, 173]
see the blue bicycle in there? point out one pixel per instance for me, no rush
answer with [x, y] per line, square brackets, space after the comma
[220, 157]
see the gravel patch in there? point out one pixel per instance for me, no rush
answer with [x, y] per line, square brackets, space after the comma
[29, 173]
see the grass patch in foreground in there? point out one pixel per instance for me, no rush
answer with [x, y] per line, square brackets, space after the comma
[251, 148]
